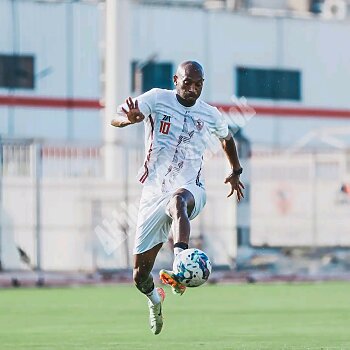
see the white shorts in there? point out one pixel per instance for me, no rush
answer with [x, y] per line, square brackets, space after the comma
[154, 221]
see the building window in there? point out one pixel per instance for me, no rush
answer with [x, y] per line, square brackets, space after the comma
[153, 75]
[16, 72]
[275, 84]
[243, 237]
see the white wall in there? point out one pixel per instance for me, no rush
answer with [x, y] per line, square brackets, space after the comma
[64, 39]
[296, 200]
[223, 40]
[220, 40]
[43, 31]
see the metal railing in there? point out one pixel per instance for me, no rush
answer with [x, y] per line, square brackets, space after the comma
[20, 157]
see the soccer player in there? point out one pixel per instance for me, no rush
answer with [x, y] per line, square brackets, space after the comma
[178, 129]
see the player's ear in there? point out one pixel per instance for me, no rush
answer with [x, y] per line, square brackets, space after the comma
[175, 79]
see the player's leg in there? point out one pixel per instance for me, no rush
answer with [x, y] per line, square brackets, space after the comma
[152, 230]
[143, 264]
[180, 208]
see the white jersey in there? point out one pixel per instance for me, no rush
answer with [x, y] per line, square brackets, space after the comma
[176, 138]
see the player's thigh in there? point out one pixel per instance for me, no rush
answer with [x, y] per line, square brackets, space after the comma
[200, 199]
[185, 195]
[153, 224]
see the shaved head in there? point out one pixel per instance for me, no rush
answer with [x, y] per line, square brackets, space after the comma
[189, 66]
[188, 81]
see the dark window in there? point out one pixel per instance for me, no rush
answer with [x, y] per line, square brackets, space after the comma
[243, 236]
[153, 75]
[17, 72]
[275, 84]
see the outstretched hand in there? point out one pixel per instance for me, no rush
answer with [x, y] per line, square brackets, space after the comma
[133, 114]
[236, 185]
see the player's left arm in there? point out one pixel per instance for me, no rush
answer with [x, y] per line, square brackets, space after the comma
[229, 147]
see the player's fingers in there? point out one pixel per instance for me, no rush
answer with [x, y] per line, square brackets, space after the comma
[240, 192]
[129, 103]
[136, 104]
[239, 195]
[124, 110]
[231, 193]
[241, 184]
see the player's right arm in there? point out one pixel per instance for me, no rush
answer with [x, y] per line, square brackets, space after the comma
[135, 111]
[128, 115]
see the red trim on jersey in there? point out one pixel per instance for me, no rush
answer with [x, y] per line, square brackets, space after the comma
[152, 124]
[145, 174]
[198, 176]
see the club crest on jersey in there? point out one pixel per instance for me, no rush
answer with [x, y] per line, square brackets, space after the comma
[199, 124]
[165, 125]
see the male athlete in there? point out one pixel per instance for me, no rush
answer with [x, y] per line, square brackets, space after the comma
[178, 127]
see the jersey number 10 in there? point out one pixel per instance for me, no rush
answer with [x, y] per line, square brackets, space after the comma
[164, 127]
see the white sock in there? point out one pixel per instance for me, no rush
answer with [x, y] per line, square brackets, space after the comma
[154, 296]
[177, 250]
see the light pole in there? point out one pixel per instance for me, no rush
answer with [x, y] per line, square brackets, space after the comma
[1, 222]
[117, 78]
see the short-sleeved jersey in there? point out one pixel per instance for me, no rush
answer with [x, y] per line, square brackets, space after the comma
[176, 138]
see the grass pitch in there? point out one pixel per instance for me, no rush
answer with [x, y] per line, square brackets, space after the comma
[262, 316]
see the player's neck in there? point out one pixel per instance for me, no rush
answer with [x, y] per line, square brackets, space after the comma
[184, 102]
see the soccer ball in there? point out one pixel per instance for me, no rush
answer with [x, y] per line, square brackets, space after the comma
[192, 267]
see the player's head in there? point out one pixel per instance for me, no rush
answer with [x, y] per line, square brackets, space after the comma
[188, 80]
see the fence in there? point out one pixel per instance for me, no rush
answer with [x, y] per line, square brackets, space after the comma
[59, 210]
[59, 213]
[20, 158]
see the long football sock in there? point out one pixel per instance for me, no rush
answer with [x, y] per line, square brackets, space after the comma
[177, 251]
[147, 288]
[153, 296]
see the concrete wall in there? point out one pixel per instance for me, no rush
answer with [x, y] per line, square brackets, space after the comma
[296, 200]
[72, 209]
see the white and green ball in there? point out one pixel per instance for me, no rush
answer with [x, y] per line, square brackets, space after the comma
[192, 267]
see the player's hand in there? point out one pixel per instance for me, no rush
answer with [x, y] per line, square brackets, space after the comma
[133, 114]
[236, 185]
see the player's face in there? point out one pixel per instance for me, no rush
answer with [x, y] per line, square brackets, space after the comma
[189, 85]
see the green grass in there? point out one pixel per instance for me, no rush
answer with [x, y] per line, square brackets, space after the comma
[262, 316]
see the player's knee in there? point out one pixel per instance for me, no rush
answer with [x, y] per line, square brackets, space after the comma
[177, 205]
